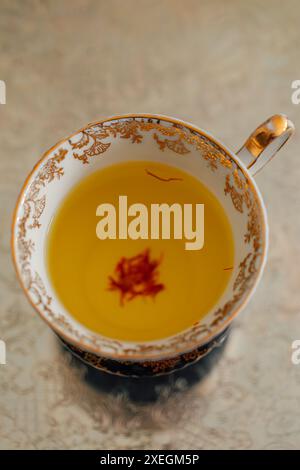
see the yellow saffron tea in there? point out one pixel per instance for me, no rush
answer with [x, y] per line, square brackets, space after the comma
[138, 288]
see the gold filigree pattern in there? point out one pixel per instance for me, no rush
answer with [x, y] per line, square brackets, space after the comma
[33, 207]
[175, 145]
[89, 143]
[242, 198]
[236, 197]
[145, 368]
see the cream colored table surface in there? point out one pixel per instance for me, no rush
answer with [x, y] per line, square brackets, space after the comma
[224, 65]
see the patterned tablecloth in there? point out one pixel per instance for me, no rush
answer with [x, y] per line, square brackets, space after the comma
[225, 66]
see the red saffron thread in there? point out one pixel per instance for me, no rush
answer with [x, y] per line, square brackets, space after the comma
[160, 178]
[228, 269]
[136, 276]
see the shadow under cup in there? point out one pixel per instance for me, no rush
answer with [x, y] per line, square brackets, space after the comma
[143, 138]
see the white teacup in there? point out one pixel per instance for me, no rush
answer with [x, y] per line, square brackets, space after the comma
[171, 141]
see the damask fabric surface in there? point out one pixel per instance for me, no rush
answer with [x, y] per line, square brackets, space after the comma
[206, 62]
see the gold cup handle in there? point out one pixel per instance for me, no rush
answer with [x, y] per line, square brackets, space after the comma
[265, 142]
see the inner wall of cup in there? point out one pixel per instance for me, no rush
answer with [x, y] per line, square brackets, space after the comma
[122, 150]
